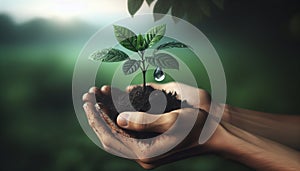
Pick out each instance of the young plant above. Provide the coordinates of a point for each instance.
(139, 44)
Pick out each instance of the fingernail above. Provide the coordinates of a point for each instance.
(123, 119)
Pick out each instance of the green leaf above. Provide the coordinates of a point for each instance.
(163, 60)
(171, 45)
(134, 5)
(141, 45)
(98, 55)
(109, 55)
(161, 7)
(149, 2)
(131, 66)
(219, 3)
(154, 35)
(126, 37)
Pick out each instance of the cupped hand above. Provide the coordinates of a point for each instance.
(176, 133)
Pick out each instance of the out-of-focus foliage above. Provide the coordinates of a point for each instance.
(193, 10)
(134, 6)
(197, 11)
(39, 30)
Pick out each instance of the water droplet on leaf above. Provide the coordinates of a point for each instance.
(158, 74)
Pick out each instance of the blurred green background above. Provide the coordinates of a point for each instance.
(257, 41)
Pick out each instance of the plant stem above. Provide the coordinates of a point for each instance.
(144, 70)
(144, 80)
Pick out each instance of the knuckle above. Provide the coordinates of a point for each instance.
(139, 122)
(106, 147)
(85, 97)
(106, 143)
(88, 97)
(91, 122)
(93, 90)
(140, 127)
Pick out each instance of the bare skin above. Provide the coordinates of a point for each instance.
(237, 137)
(284, 129)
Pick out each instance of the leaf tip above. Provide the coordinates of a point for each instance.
(116, 26)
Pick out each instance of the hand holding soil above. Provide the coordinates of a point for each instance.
(243, 135)
(118, 141)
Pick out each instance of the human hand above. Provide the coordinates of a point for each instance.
(176, 135)
(230, 141)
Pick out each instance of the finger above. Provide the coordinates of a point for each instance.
(109, 142)
(104, 90)
(111, 91)
(89, 97)
(102, 95)
(96, 94)
(129, 88)
(181, 151)
(185, 131)
(144, 122)
(93, 95)
(94, 90)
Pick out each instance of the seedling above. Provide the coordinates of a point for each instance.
(139, 98)
(139, 44)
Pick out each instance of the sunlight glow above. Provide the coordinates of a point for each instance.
(93, 11)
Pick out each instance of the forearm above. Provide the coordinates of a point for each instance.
(257, 152)
(284, 129)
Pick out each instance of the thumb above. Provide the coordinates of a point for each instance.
(145, 122)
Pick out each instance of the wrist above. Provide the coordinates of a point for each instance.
(237, 148)
(219, 142)
(227, 114)
(237, 145)
(257, 152)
